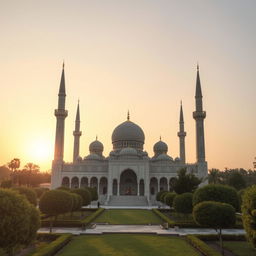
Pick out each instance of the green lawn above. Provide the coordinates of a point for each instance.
(127, 245)
(124, 216)
(240, 248)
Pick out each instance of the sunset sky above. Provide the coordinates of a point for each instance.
(139, 55)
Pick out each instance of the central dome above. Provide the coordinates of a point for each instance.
(128, 134)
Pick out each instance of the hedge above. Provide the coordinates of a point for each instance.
(90, 218)
(61, 223)
(164, 218)
(202, 246)
(53, 247)
(224, 237)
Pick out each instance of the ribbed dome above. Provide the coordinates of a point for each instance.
(96, 147)
(128, 134)
(160, 147)
(164, 157)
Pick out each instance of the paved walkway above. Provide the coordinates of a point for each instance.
(146, 229)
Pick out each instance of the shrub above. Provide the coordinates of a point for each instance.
(29, 193)
(169, 197)
(84, 193)
(159, 194)
(93, 216)
(19, 220)
(94, 193)
(55, 202)
(6, 184)
(218, 193)
(162, 197)
(249, 213)
(183, 203)
(164, 217)
(40, 191)
(77, 202)
(215, 215)
(64, 188)
(240, 194)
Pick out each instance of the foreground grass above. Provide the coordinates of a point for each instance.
(124, 216)
(240, 248)
(127, 244)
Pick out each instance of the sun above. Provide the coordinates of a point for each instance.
(40, 151)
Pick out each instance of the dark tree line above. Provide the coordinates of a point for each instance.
(29, 175)
(237, 178)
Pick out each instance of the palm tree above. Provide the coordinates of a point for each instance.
(31, 169)
(214, 176)
(14, 165)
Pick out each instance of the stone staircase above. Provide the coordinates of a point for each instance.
(128, 201)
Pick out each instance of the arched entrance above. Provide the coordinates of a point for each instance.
(128, 183)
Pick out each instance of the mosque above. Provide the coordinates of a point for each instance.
(128, 175)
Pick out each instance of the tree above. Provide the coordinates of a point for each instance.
(169, 197)
(249, 213)
(85, 194)
(215, 215)
(162, 197)
(30, 194)
(5, 173)
(186, 182)
(55, 202)
(6, 184)
(183, 203)
(214, 176)
(14, 165)
(217, 193)
(31, 168)
(236, 180)
(77, 202)
(19, 221)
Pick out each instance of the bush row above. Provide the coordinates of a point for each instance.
(201, 246)
(164, 218)
(53, 247)
(90, 218)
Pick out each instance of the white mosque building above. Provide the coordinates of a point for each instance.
(128, 175)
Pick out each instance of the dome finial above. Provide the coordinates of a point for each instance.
(197, 66)
(128, 116)
(160, 138)
(63, 64)
(96, 137)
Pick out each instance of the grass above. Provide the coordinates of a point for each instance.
(127, 217)
(74, 216)
(127, 244)
(240, 248)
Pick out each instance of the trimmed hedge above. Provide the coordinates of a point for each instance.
(164, 218)
(202, 246)
(53, 247)
(224, 237)
(90, 218)
(61, 223)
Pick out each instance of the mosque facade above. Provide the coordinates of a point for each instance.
(128, 170)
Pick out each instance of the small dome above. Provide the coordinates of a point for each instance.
(177, 159)
(93, 157)
(96, 147)
(160, 147)
(128, 152)
(79, 159)
(164, 157)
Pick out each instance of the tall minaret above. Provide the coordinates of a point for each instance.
(60, 114)
(77, 133)
(199, 116)
(182, 134)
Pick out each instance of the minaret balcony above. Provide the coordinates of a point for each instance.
(77, 133)
(181, 134)
(61, 113)
(199, 114)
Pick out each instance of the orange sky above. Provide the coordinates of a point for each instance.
(120, 55)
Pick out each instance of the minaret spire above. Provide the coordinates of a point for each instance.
(77, 133)
(60, 114)
(128, 115)
(182, 134)
(199, 116)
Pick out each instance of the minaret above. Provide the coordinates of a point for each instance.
(60, 114)
(77, 133)
(182, 134)
(199, 116)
